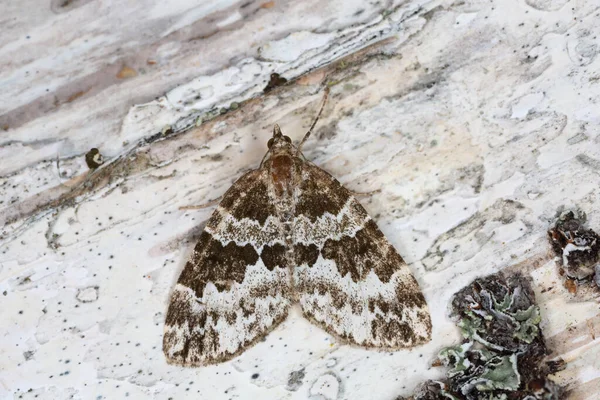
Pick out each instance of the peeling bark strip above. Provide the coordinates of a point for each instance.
(289, 232)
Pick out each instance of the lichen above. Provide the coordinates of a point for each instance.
(94, 159)
(274, 81)
(503, 351)
(577, 247)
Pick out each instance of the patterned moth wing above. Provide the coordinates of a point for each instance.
(348, 278)
(236, 286)
(284, 233)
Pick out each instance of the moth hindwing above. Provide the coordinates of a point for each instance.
(288, 232)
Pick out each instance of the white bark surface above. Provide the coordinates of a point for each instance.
(477, 121)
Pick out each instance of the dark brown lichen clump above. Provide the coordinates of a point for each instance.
(577, 247)
(503, 354)
(94, 159)
(274, 81)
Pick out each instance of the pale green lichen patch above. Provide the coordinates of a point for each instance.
(503, 353)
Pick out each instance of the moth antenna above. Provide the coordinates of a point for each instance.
(325, 96)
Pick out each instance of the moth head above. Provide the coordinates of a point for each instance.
(278, 138)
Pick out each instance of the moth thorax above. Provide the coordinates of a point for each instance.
(282, 174)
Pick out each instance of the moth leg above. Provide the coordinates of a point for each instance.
(205, 205)
(364, 194)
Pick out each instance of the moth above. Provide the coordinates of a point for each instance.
(289, 233)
